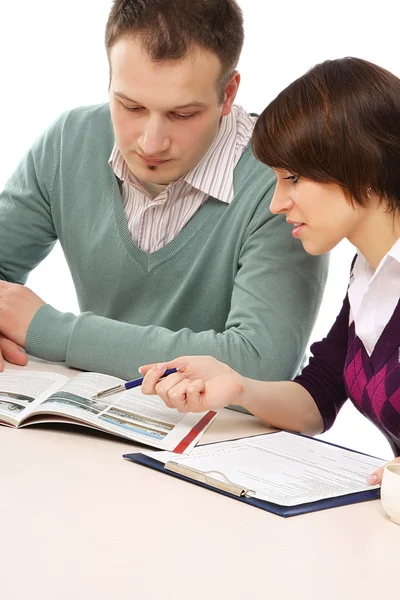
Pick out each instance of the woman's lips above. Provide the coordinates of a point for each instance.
(297, 229)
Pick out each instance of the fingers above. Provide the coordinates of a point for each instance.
(145, 368)
(176, 390)
(174, 394)
(177, 363)
(11, 352)
(153, 376)
(376, 477)
(195, 396)
(185, 395)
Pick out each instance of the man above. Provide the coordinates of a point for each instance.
(162, 212)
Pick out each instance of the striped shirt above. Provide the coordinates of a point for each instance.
(155, 221)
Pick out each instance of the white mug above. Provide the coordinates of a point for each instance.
(390, 491)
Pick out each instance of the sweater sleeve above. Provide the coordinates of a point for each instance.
(275, 300)
(27, 231)
(323, 377)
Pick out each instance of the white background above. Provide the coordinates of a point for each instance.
(53, 59)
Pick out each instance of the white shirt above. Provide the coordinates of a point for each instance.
(374, 296)
(155, 220)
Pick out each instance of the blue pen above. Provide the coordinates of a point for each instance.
(128, 385)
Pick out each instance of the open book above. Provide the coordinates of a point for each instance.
(28, 397)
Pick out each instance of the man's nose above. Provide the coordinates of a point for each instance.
(154, 139)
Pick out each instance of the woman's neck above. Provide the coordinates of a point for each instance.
(377, 231)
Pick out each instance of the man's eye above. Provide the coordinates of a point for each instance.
(133, 108)
(178, 116)
(293, 178)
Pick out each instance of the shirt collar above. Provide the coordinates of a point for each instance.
(362, 268)
(213, 175)
(394, 251)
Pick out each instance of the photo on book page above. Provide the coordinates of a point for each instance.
(13, 402)
(28, 397)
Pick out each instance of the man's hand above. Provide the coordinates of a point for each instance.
(376, 477)
(18, 306)
(11, 352)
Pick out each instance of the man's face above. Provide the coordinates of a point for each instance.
(165, 114)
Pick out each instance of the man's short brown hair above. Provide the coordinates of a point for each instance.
(338, 123)
(171, 29)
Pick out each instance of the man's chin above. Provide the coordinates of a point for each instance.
(160, 175)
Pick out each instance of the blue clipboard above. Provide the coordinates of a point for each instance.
(277, 509)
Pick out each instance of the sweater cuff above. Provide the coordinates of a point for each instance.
(49, 334)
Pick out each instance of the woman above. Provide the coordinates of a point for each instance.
(333, 139)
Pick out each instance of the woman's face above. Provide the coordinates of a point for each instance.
(319, 212)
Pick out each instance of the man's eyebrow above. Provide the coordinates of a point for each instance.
(121, 95)
(194, 104)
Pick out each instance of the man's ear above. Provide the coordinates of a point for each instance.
(230, 92)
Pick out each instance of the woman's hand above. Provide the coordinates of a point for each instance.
(202, 383)
(376, 477)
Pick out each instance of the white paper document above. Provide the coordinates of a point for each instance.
(282, 468)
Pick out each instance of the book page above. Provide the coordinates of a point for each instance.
(22, 391)
(282, 468)
(130, 414)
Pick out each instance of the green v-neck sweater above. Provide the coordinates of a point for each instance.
(233, 284)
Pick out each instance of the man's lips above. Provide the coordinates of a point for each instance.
(152, 161)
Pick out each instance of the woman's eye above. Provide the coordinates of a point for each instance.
(293, 178)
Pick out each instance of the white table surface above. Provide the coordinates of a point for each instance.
(80, 522)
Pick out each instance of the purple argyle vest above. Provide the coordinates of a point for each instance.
(373, 382)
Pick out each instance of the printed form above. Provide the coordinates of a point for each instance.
(282, 468)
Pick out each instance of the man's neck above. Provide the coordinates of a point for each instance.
(154, 189)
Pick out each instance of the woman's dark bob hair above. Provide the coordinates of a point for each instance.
(338, 123)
